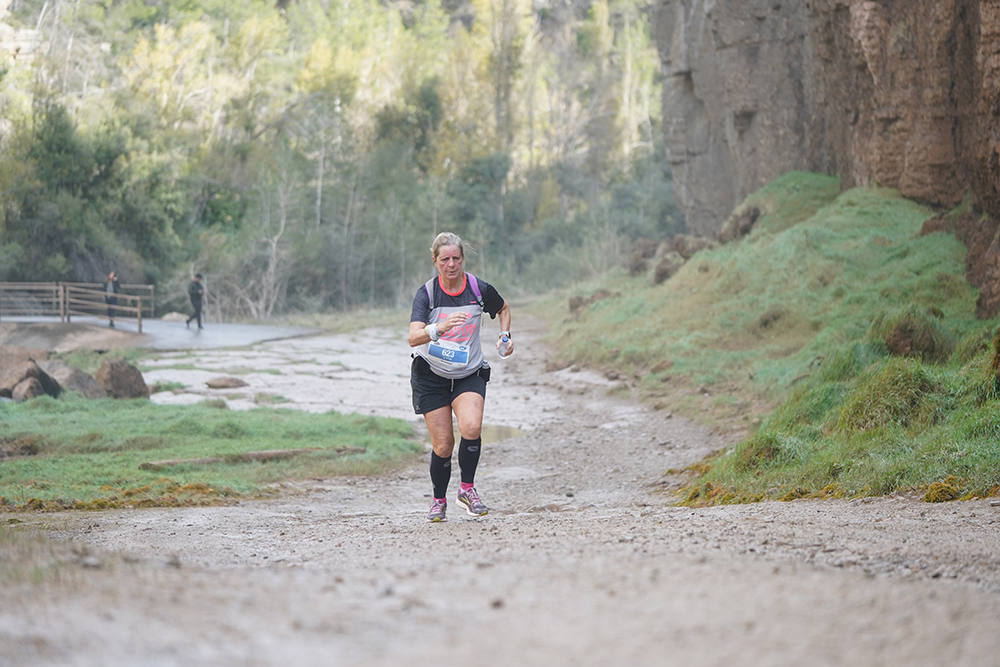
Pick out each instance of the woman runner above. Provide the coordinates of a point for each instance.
(448, 374)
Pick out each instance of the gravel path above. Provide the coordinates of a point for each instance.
(583, 560)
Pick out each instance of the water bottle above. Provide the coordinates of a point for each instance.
(505, 345)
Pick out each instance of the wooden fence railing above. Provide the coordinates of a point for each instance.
(147, 292)
(30, 299)
(68, 300)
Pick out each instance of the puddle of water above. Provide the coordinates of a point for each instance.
(496, 433)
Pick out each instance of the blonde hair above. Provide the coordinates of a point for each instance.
(446, 238)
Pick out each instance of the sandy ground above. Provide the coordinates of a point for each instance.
(583, 559)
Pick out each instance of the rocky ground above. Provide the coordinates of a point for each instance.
(583, 559)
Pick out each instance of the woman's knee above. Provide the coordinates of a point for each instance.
(439, 427)
(470, 419)
(471, 428)
(444, 450)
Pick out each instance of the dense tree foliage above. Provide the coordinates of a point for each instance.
(302, 154)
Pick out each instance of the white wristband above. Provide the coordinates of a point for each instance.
(432, 331)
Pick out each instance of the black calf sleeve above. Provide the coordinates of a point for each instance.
(468, 458)
(440, 474)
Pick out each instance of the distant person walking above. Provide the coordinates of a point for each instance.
(110, 291)
(196, 291)
(448, 373)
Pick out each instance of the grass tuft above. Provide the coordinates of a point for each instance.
(899, 392)
(914, 332)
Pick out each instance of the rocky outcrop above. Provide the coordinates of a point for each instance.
(26, 379)
(121, 379)
(73, 379)
(27, 389)
(27, 373)
(900, 93)
(740, 223)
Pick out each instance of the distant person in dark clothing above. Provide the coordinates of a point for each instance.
(196, 290)
(110, 290)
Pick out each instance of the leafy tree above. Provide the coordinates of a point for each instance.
(302, 154)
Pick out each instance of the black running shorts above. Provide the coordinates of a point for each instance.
(431, 391)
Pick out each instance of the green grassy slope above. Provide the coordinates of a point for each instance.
(785, 337)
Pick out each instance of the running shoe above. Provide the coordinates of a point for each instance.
(473, 505)
(438, 510)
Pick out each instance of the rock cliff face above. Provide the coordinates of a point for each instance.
(737, 100)
(901, 93)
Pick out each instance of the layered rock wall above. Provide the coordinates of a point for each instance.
(737, 103)
(901, 93)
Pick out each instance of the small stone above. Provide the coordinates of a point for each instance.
(91, 562)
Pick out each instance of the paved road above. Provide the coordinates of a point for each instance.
(50, 333)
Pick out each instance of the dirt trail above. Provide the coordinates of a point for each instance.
(581, 561)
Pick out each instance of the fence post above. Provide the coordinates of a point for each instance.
(139, 313)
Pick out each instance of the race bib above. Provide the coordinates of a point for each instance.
(452, 354)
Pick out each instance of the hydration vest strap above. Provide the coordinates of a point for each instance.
(473, 283)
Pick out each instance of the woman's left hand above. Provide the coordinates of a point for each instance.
(510, 343)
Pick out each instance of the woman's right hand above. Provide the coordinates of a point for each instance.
(453, 320)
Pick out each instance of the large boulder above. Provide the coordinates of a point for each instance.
(668, 265)
(73, 379)
(739, 223)
(687, 245)
(26, 389)
(121, 379)
(11, 355)
(12, 376)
